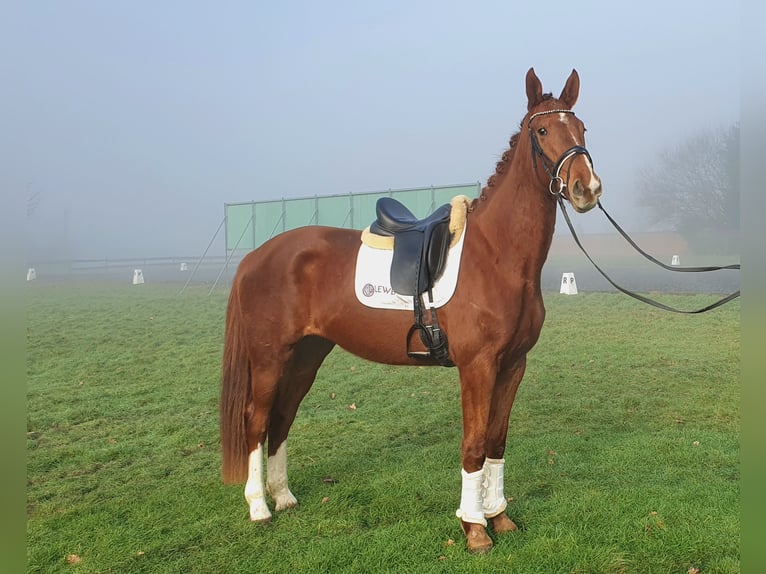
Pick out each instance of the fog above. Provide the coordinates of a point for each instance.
(130, 125)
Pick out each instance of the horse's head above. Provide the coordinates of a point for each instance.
(558, 143)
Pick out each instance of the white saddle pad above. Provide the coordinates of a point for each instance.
(372, 282)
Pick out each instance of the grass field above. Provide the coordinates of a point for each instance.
(622, 453)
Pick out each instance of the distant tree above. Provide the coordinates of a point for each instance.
(33, 201)
(694, 187)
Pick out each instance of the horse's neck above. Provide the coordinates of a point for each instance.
(518, 217)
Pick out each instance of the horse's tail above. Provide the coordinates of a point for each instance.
(235, 395)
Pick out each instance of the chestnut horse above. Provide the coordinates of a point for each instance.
(292, 300)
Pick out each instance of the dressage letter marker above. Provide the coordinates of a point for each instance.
(31, 275)
(675, 260)
(138, 277)
(184, 267)
(568, 285)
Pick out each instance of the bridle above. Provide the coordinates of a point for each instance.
(557, 185)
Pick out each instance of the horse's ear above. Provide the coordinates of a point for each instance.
(571, 90)
(534, 89)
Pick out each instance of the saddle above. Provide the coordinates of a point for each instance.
(420, 252)
(420, 245)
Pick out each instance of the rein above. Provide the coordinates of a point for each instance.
(642, 298)
(660, 263)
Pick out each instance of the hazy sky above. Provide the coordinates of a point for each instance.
(134, 122)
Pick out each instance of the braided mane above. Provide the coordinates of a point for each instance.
(501, 167)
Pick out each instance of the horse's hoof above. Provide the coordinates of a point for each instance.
(478, 540)
(285, 501)
(285, 505)
(266, 520)
(501, 523)
(259, 512)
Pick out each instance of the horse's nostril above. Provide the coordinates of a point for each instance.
(577, 188)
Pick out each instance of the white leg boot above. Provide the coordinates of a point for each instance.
(471, 509)
(494, 501)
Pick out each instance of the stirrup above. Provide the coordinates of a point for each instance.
(432, 337)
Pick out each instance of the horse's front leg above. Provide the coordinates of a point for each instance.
(477, 381)
(493, 494)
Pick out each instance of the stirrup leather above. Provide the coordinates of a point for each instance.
(432, 337)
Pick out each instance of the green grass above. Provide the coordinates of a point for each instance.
(622, 454)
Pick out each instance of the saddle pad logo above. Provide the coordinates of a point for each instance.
(372, 281)
(368, 290)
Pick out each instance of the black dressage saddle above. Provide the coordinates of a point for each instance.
(420, 245)
(420, 253)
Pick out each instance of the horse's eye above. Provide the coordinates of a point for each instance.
(542, 131)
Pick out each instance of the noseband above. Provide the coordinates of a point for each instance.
(554, 169)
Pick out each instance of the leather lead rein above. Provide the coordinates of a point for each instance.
(642, 298)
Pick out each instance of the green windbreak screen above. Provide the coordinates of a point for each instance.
(364, 209)
(239, 225)
(249, 225)
(334, 211)
(300, 212)
(268, 220)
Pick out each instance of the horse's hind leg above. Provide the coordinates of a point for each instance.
(296, 381)
(264, 381)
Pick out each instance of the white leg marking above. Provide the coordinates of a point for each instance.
(276, 479)
(470, 498)
(259, 511)
(494, 498)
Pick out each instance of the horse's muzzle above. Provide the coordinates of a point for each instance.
(584, 198)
